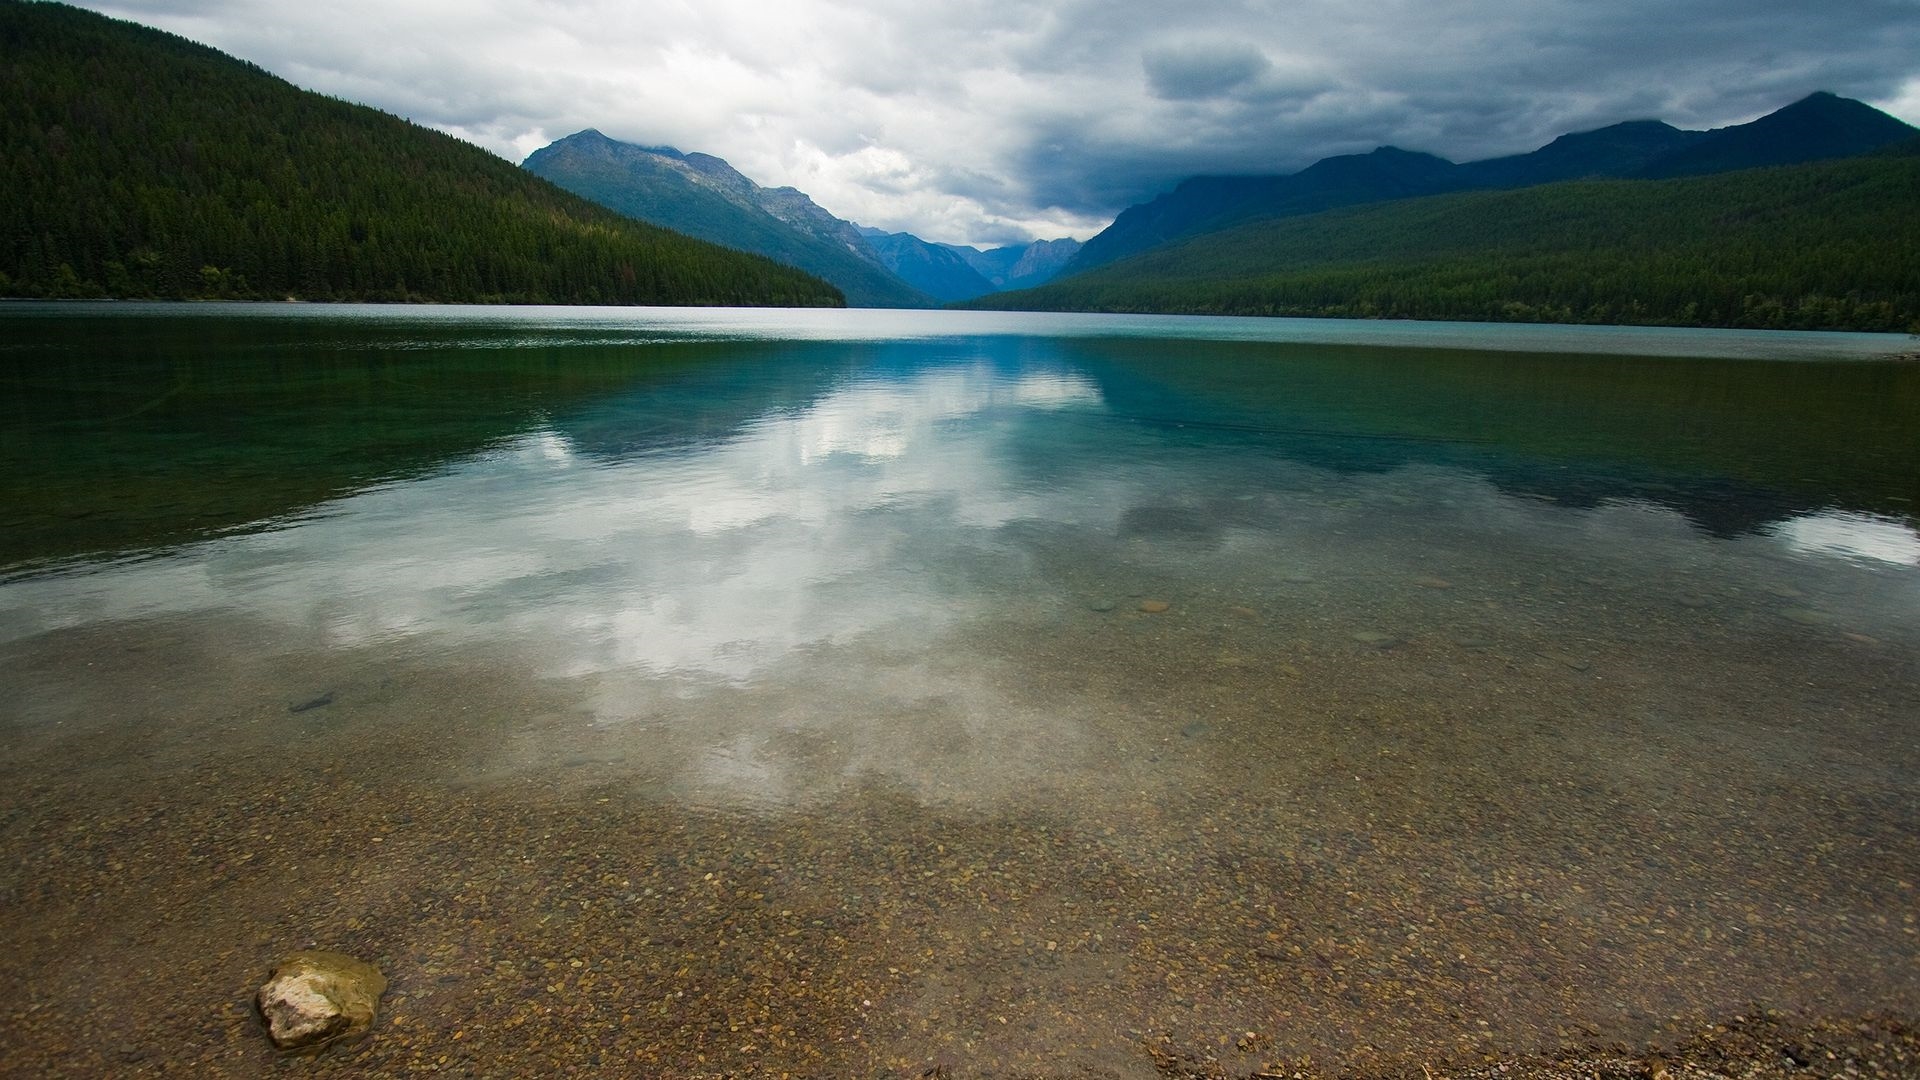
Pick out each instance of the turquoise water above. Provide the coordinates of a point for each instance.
(1388, 690)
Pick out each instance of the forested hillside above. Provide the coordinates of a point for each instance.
(134, 163)
(1818, 127)
(1834, 245)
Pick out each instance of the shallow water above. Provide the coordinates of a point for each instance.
(847, 693)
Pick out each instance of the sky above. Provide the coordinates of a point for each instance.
(1000, 121)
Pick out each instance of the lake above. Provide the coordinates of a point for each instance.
(723, 693)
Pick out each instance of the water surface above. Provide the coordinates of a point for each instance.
(846, 693)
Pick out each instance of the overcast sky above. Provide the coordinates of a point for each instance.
(993, 121)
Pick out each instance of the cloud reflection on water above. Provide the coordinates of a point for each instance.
(713, 561)
(1844, 535)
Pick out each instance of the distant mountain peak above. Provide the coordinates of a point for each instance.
(938, 270)
(1019, 266)
(1821, 103)
(1390, 151)
(599, 140)
(704, 196)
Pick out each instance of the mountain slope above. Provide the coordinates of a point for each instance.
(1816, 128)
(1831, 245)
(1204, 203)
(136, 163)
(1617, 150)
(703, 196)
(1019, 266)
(1039, 262)
(934, 269)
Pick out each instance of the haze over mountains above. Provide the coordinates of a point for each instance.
(705, 197)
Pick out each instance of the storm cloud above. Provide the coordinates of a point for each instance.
(1202, 71)
(991, 121)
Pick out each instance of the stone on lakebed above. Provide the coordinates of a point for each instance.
(314, 999)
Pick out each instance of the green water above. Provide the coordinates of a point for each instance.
(844, 693)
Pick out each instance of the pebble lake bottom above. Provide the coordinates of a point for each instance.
(883, 694)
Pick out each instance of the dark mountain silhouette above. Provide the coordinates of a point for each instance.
(1815, 128)
(1205, 203)
(1616, 150)
(1819, 127)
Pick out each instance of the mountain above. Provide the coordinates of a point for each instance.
(134, 163)
(1204, 203)
(1618, 150)
(703, 196)
(1825, 245)
(954, 272)
(1019, 266)
(1816, 128)
(934, 269)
